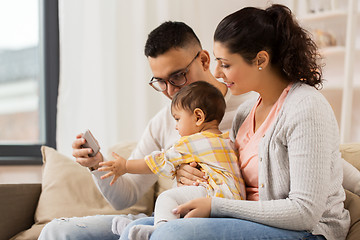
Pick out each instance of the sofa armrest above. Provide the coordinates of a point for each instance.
(18, 203)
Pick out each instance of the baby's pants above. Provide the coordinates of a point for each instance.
(172, 198)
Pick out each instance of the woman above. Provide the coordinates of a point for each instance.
(287, 138)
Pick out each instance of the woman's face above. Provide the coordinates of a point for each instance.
(239, 76)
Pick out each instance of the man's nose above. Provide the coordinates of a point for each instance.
(172, 89)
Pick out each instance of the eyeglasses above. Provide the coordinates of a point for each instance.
(177, 79)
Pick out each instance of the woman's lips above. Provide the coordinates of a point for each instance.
(229, 85)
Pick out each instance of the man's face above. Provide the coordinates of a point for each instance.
(173, 62)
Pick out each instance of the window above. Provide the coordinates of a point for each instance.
(29, 76)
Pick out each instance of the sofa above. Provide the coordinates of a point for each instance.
(67, 190)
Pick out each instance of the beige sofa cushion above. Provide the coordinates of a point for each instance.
(351, 153)
(352, 203)
(68, 190)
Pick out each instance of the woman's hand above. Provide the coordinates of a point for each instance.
(197, 208)
(189, 175)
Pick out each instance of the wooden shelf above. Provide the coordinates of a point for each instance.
(335, 50)
(337, 22)
(337, 86)
(323, 15)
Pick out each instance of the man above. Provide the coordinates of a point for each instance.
(176, 59)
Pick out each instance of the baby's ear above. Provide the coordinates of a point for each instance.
(200, 116)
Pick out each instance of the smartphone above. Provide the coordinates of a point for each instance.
(90, 143)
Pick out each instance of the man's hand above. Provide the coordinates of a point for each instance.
(114, 168)
(189, 175)
(197, 208)
(81, 154)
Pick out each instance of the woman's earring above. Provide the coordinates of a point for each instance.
(260, 68)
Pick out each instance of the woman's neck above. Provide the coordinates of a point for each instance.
(271, 90)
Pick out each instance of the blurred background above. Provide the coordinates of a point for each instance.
(104, 74)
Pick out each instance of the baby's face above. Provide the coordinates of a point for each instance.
(185, 121)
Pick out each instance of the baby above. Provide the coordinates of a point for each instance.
(198, 109)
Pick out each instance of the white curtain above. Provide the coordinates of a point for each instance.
(103, 70)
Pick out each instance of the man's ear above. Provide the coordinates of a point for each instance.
(200, 116)
(205, 59)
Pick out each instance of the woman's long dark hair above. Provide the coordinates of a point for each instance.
(291, 49)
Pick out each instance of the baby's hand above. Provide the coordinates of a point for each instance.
(116, 168)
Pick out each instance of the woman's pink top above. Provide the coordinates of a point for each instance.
(247, 143)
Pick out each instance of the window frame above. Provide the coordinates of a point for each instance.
(30, 154)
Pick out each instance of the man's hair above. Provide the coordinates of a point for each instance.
(170, 35)
(201, 95)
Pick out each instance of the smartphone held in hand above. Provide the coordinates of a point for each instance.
(90, 143)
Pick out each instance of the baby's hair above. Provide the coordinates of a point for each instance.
(201, 95)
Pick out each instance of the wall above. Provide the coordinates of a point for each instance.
(20, 174)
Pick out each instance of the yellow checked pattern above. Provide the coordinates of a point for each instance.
(215, 156)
